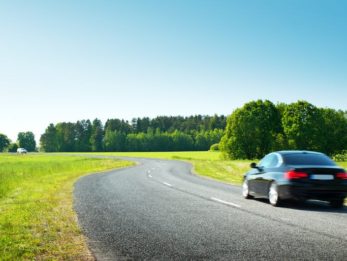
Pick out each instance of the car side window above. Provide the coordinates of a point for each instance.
(269, 161)
(273, 161)
(264, 162)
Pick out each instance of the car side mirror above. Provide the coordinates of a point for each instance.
(254, 165)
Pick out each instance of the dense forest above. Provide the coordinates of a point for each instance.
(142, 134)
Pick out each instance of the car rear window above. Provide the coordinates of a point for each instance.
(307, 159)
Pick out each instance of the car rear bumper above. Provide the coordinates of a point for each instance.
(291, 191)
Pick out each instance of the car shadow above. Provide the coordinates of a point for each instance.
(310, 205)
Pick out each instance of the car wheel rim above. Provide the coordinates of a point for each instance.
(273, 194)
(245, 189)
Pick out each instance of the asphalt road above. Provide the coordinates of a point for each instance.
(158, 210)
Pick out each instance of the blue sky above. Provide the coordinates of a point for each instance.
(73, 60)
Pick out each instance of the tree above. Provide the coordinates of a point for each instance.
(118, 125)
(182, 141)
(66, 136)
(4, 142)
(302, 124)
(251, 130)
(334, 131)
(49, 140)
(201, 141)
(97, 136)
(27, 140)
(114, 140)
(83, 132)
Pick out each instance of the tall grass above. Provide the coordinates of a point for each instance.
(37, 220)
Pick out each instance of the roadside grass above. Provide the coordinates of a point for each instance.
(343, 164)
(37, 221)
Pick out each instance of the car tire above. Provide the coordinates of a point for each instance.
(245, 190)
(337, 203)
(274, 198)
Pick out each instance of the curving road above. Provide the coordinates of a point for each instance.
(159, 210)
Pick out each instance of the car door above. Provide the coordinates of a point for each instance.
(252, 176)
(256, 176)
(266, 177)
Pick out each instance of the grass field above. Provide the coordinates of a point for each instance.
(37, 220)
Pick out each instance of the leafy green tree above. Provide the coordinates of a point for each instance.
(182, 141)
(162, 141)
(214, 122)
(4, 142)
(114, 140)
(83, 132)
(118, 125)
(66, 136)
(49, 140)
(334, 131)
(302, 124)
(27, 140)
(251, 130)
(97, 136)
(214, 136)
(141, 125)
(201, 141)
(131, 142)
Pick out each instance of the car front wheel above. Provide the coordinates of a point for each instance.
(245, 190)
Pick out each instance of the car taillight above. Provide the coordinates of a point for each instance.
(341, 175)
(293, 174)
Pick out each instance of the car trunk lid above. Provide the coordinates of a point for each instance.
(321, 174)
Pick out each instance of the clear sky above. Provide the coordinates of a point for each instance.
(73, 60)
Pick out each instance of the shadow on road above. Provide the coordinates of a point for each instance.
(309, 205)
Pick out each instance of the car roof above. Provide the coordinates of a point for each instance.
(286, 152)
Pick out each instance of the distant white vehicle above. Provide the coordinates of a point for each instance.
(22, 151)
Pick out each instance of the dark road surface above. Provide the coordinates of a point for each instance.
(158, 210)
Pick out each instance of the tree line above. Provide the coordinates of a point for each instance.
(250, 132)
(24, 140)
(260, 127)
(142, 134)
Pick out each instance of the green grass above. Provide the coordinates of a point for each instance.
(343, 164)
(37, 220)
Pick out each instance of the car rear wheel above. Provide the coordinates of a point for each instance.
(337, 203)
(245, 190)
(273, 195)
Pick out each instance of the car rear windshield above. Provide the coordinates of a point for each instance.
(307, 159)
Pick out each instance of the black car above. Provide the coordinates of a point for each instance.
(298, 175)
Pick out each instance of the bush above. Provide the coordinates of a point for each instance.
(13, 147)
(341, 156)
(214, 147)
